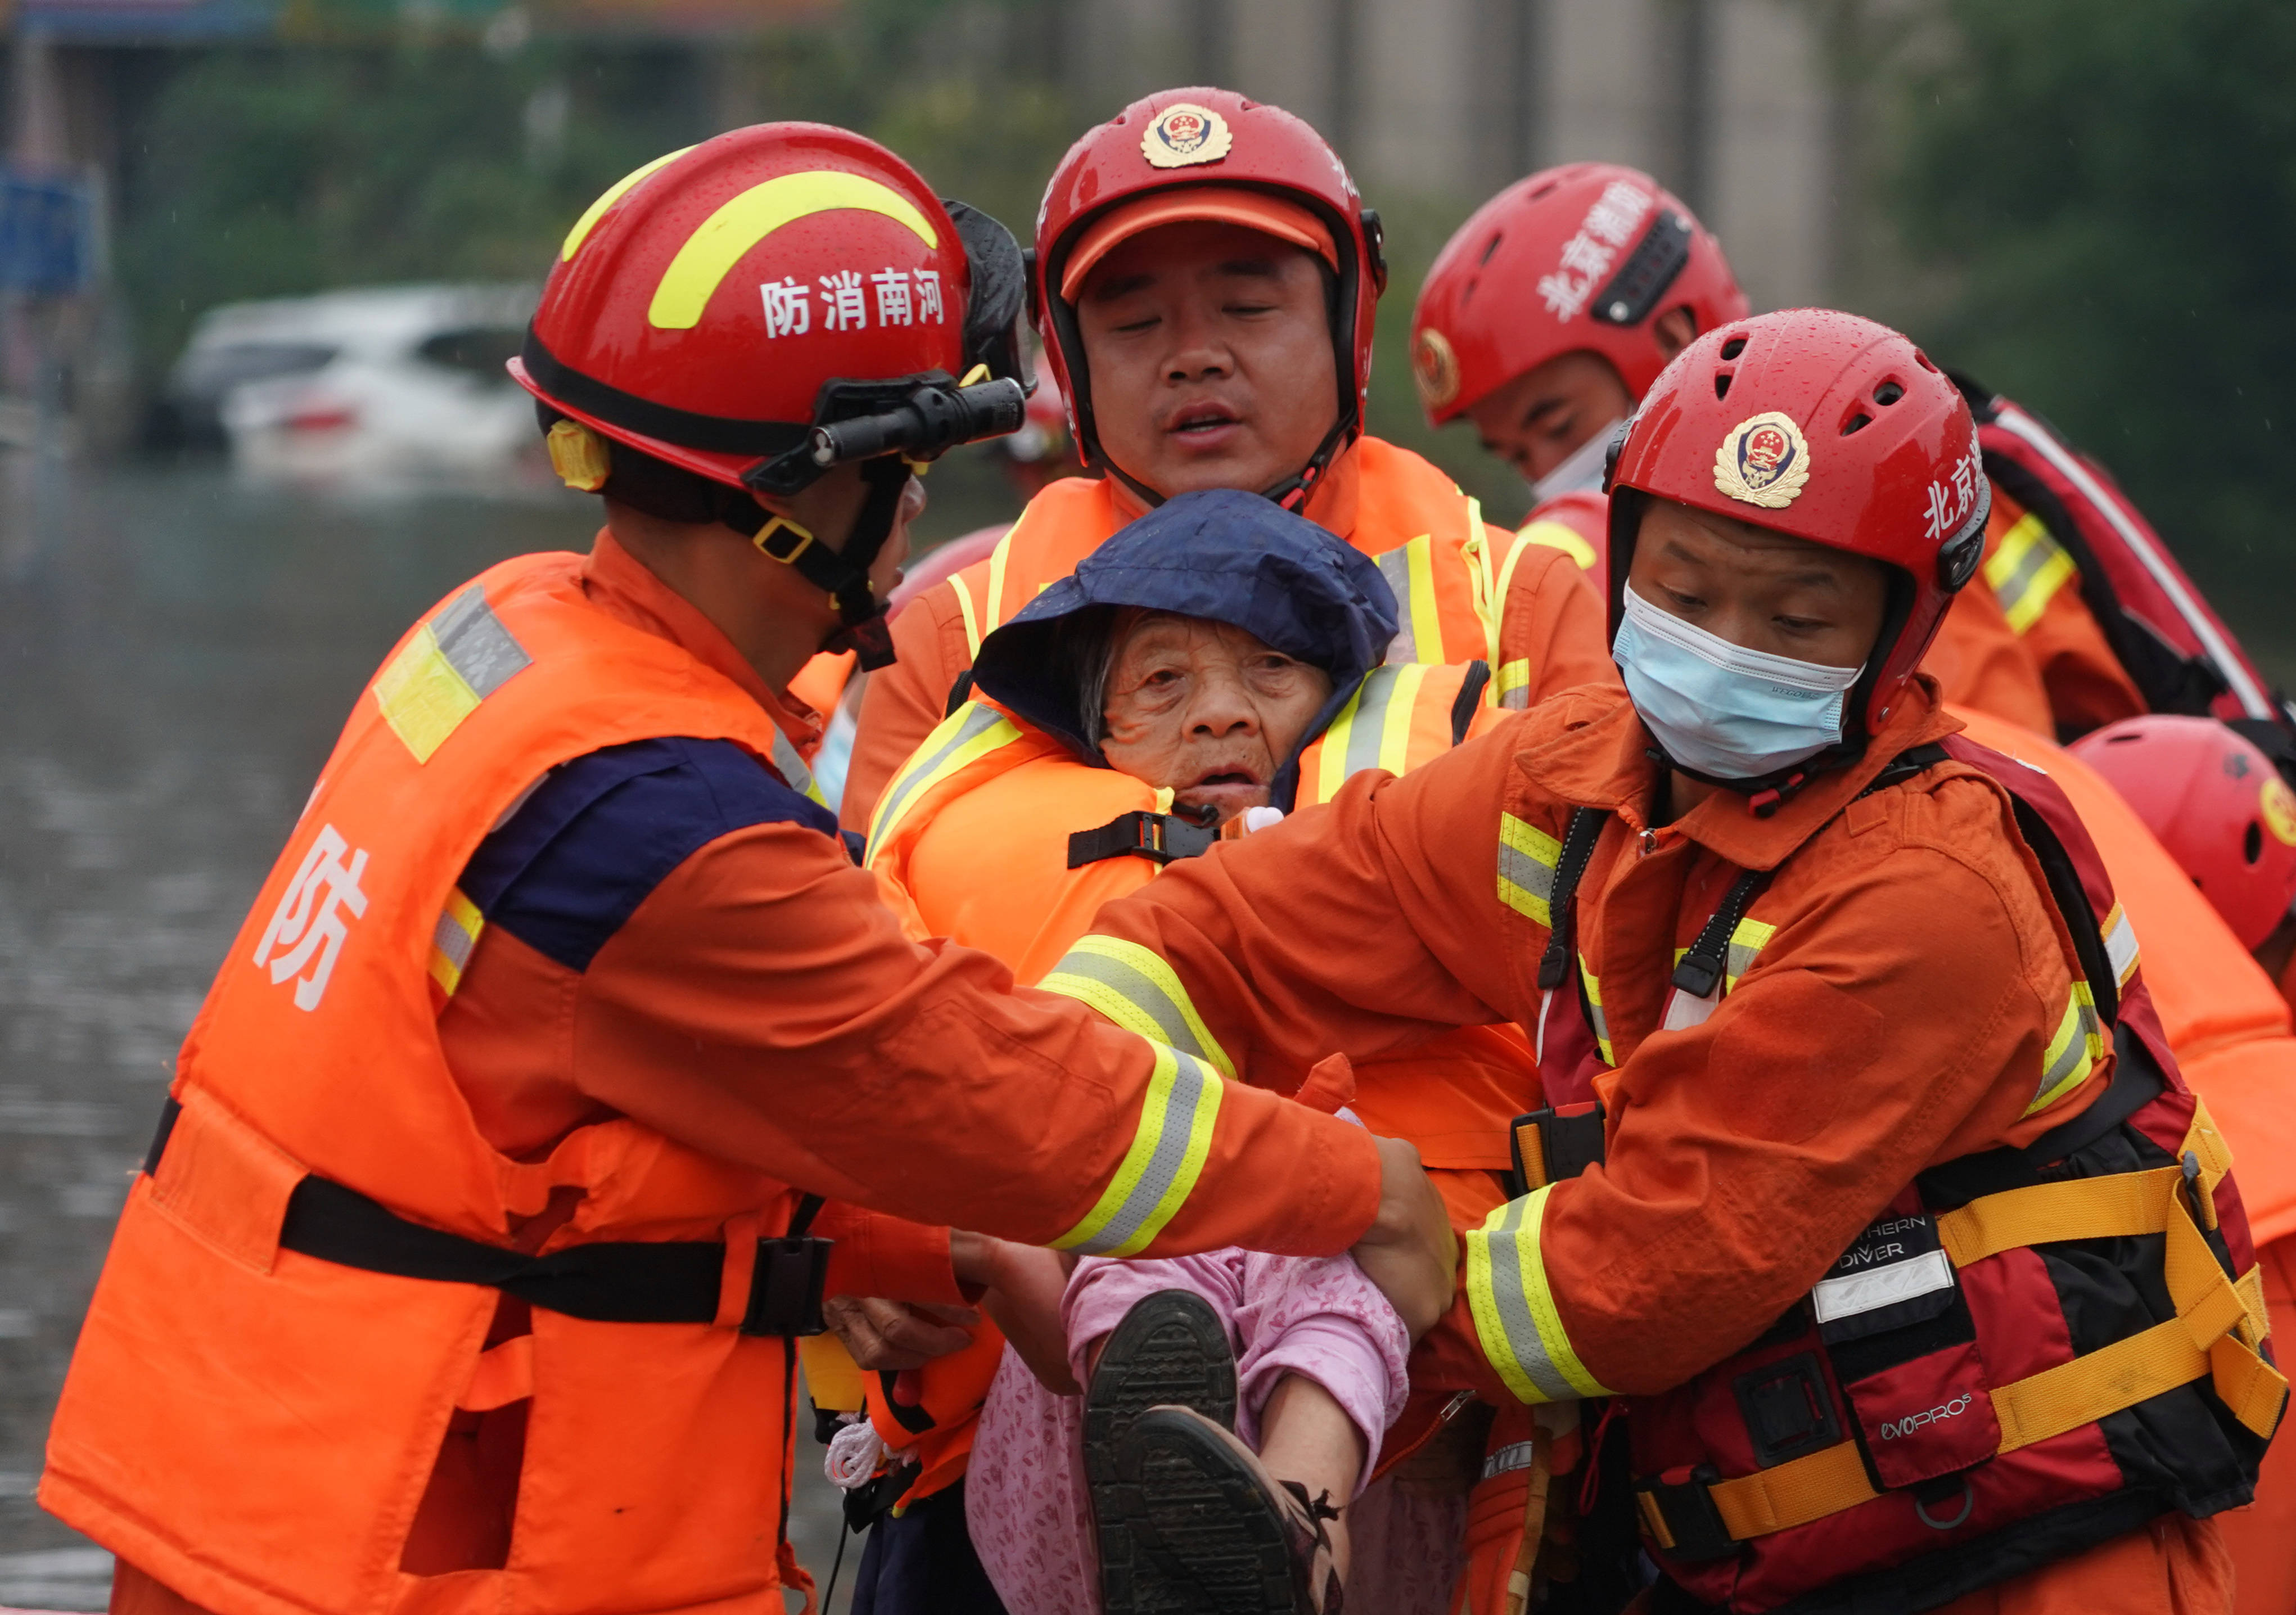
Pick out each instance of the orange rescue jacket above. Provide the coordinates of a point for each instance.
(194, 1437)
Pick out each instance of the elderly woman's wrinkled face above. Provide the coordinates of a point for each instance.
(1206, 710)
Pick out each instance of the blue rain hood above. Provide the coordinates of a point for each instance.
(1221, 555)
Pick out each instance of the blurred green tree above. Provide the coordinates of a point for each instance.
(2113, 187)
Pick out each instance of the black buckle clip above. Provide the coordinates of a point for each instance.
(786, 1285)
(1684, 1510)
(1568, 1139)
(1159, 837)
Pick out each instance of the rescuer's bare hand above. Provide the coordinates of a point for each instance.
(1409, 1250)
(1024, 1301)
(895, 1335)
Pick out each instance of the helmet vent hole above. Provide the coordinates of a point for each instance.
(1856, 423)
(1491, 246)
(1545, 189)
(1888, 393)
(1923, 360)
(2252, 843)
(1731, 348)
(1722, 383)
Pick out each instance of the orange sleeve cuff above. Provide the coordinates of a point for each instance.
(889, 1257)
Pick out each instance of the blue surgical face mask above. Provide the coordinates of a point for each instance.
(1719, 708)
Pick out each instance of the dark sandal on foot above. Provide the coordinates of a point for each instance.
(1211, 1531)
(1171, 1350)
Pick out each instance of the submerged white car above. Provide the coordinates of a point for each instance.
(372, 387)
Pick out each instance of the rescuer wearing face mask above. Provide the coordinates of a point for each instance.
(1207, 277)
(1550, 311)
(1868, 1191)
(467, 1269)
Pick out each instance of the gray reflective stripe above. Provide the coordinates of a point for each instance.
(2075, 1050)
(1368, 725)
(977, 723)
(792, 766)
(1191, 1081)
(1519, 868)
(1595, 1016)
(1514, 1307)
(1138, 991)
(1741, 958)
(2038, 553)
(475, 643)
(1513, 1456)
(451, 940)
(1395, 566)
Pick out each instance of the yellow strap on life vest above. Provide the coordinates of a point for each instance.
(453, 940)
(1374, 729)
(2219, 1324)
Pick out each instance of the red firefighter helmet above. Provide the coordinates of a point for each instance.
(2218, 805)
(1827, 427)
(1212, 140)
(774, 301)
(1582, 257)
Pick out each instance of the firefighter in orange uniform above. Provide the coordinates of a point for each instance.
(1551, 311)
(2228, 819)
(1206, 276)
(1869, 1191)
(466, 1269)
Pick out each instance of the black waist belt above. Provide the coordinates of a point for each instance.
(607, 1281)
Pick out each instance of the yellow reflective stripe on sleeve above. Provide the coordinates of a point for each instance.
(1747, 941)
(1527, 858)
(2121, 944)
(971, 623)
(1557, 535)
(445, 668)
(1133, 987)
(2026, 572)
(793, 772)
(451, 942)
(1522, 1334)
(2075, 1049)
(970, 731)
(1160, 1170)
(1594, 1018)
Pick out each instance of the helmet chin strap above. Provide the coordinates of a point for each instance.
(842, 575)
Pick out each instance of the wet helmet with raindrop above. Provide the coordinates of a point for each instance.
(1210, 140)
(1827, 427)
(1585, 258)
(2218, 805)
(766, 305)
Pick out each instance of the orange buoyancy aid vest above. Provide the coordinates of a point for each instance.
(2224, 1017)
(254, 1427)
(2029, 1352)
(978, 839)
(1451, 572)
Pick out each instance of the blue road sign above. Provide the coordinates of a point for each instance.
(47, 243)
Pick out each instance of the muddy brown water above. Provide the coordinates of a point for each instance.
(177, 654)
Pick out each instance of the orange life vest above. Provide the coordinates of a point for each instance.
(1451, 572)
(254, 1426)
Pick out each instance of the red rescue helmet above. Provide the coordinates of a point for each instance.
(770, 303)
(2218, 805)
(1242, 155)
(1582, 257)
(1827, 427)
